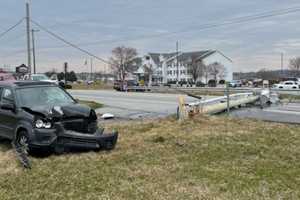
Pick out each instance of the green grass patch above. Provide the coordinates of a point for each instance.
(94, 86)
(289, 97)
(94, 105)
(204, 158)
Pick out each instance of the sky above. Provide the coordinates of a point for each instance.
(98, 26)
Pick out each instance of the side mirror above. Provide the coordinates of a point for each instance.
(8, 106)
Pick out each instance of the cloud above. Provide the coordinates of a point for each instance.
(251, 45)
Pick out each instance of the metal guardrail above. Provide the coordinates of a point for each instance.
(209, 89)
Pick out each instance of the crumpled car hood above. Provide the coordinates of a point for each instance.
(72, 110)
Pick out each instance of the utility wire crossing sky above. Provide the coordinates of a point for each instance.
(252, 34)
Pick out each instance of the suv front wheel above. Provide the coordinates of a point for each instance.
(22, 142)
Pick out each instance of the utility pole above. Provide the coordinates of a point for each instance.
(91, 68)
(177, 64)
(66, 71)
(33, 50)
(28, 37)
(228, 98)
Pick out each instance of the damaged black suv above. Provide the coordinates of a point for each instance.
(40, 115)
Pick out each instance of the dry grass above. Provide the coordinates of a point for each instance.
(8, 162)
(94, 86)
(205, 158)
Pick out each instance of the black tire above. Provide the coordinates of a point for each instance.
(1, 139)
(22, 141)
(59, 149)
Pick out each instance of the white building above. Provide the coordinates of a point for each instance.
(165, 69)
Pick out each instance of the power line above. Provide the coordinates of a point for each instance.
(228, 22)
(68, 43)
(11, 28)
(205, 26)
(182, 19)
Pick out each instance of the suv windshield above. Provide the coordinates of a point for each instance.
(39, 77)
(42, 96)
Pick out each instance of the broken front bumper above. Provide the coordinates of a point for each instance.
(59, 138)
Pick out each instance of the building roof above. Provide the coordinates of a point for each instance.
(182, 56)
(156, 56)
(194, 55)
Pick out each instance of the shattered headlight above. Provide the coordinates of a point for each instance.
(42, 124)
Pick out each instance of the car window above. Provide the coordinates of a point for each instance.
(30, 97)
(7, 96)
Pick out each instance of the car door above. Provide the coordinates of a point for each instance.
(8, 117)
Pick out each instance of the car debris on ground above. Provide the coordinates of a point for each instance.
(107, 116)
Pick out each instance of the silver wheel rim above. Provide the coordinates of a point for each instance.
(23, 142)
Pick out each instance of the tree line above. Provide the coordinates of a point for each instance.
(293, 70)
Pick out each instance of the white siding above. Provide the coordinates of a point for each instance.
(217, 57)
(168, 70)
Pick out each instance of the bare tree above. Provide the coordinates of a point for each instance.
(295, 64)
(216, 70)
(51, 72)
(123, 61)
(149, 70)
(196, 68)
(206, 73)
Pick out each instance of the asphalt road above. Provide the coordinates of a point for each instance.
(284, 113)
(133, 105)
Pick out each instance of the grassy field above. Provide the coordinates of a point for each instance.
(205, 158)
(92, 104)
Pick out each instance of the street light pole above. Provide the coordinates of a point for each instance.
(33, 50)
